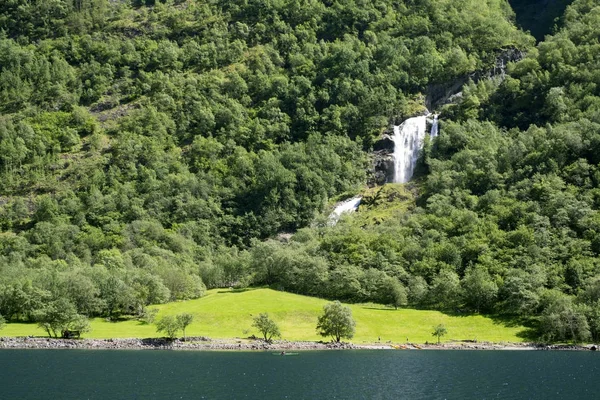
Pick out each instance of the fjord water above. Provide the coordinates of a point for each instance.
(382, 374)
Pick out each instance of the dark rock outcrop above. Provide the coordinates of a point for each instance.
(386, 143)
(383, 161)
(383, 168)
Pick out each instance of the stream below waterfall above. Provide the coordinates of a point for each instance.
(409, 138)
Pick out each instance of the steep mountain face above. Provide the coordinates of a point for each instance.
(539, 16)
(147, 152)
(147, 147)
(507, 216)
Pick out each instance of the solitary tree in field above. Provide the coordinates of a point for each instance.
(184, 320)
(169, 325)
(336, 321)
(60, 316)
(267, 327)
(439, 331)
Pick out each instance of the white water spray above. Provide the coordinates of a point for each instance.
(347, 206)
(435, 127)
(408, 142)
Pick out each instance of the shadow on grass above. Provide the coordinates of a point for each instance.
(460, 313)
(530, 333)
(238, 290)
(120, 318)
(380, 309)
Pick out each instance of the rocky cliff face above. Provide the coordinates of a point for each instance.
(439, 94)
(436, 95)
(383, 161)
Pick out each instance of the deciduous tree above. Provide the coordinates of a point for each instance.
(184, 320)
(439, 331)
(169, 326)
(267, 327)
(59, 316)
(480, 291)
(336, 322)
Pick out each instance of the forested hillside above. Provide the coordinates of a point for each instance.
(147, 150)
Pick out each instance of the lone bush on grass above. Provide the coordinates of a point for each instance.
(267, 327)
(171, 324)
(439, 331)
(184, 320)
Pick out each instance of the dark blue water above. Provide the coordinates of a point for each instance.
(95, 374)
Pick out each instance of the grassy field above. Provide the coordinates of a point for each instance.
(228, 314)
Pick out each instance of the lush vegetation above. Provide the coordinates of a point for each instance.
(151, 151)
(505, 217)
(145, 147)
(226, 314)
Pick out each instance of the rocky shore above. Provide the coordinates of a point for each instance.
(204, 343)
(469, 345)
(191, 343)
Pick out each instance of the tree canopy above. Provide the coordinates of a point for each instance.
(336, 322)
(439, 331)
(152, 150)
(266, 326)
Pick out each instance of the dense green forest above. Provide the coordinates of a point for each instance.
(151, 150)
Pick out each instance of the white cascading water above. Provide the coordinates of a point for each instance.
(408, 142)
(435, 127)
(347, 206)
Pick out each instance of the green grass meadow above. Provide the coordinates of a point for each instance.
(228, 314)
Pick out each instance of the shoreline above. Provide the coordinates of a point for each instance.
(208, 344)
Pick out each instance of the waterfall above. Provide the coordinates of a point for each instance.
(408, 142)
(347, 206)
(435, 128)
